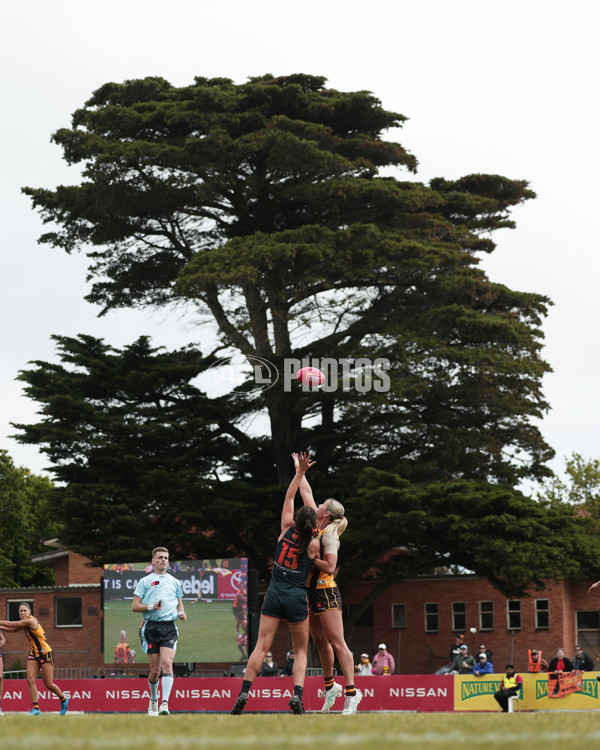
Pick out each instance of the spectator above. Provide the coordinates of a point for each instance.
(364, 668)
(560, 663)
(269, 667)
(487, 652)
(483, 666)
(289, 664)
(455, 648)
(582, 661)
(510, 685)
(463, 663)
(536, 662)
(383, 661)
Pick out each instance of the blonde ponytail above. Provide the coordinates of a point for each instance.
(337, 524)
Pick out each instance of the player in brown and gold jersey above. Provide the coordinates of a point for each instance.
(326, 625)
(286, 597)
(2, 644)
(40, 657)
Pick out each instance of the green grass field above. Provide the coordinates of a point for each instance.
(457, 731)
(207, 635)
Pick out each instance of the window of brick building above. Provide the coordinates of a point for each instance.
(398, 616)
(67, 612)
(432, 617)
(513, 614)
(459, 616)
(588, 620)
(486, 615)
(588, 632)
(542, 614)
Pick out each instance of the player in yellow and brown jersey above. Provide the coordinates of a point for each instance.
(326, 625)
(286, 597)
(2, 644)
(40, 657)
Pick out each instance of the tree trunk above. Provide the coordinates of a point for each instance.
(286, 423)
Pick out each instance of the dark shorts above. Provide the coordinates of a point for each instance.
(290, 605)
(155, 635)
(47, 658)
(322, 600)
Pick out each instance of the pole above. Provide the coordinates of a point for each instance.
(473, 632)
(87, 653)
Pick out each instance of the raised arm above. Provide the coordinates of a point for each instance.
(305, 489)
(287, 513)
(10, 626)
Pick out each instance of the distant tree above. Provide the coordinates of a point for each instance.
(580, 486)
(580, 489)
(27, 517)
(494, 530)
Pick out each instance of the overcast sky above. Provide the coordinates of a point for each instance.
(503, 88)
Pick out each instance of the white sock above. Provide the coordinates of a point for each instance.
(153, 689)
(167, 684)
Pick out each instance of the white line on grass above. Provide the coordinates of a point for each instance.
(486, 739)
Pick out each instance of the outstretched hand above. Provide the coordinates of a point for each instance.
(302, 462)
(593, 586)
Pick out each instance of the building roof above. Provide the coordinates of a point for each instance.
(42, 589)
(45, 558)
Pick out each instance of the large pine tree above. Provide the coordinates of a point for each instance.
(264, 209)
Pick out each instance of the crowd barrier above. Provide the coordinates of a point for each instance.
(426, 693)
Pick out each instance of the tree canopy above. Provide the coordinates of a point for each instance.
(27, 517)
(263, 208)
(132, 443)
(494, 530)
(580, 490)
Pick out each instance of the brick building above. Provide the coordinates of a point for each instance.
(70, 611)
(417, 619)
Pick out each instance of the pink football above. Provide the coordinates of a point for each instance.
(310, 376)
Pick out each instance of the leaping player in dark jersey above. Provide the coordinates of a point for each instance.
(286, 597)
(326, 624)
